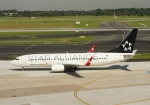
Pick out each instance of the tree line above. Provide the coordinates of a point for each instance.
(97, 12)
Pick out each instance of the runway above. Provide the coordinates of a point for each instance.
(72, 29)
(124, 83)
(102, 46)
(104, 42)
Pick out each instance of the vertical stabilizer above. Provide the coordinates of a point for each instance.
(127, 45)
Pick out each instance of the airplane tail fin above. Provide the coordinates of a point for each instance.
(127, 45)
(92, 49)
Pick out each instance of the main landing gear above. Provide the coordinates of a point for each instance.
(74, 69)
(23, 69)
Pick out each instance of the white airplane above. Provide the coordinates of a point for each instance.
(60, 61)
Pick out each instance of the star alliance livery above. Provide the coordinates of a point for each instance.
(61, 61)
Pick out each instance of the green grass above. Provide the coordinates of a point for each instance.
(142, 55)
(139, 23)
(13, 56)
(46, 41)
(8, 34)
(53, 22)
(65, 21)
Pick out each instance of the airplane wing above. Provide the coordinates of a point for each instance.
(71, 64)
(76, 64)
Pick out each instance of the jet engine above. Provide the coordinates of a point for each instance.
(58, 67)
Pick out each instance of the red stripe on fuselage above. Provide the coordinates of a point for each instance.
(89, 62)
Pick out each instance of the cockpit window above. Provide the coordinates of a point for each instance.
(17, 59)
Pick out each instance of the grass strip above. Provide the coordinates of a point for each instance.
(142, 55)
(46, 41)
(8, 34)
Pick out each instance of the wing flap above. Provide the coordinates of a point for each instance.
(76, 63)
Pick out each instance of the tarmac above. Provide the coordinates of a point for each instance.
(105, 41)
(123, 83)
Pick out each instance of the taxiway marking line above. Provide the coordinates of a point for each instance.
(137, 100)
(29, 47)
(76, 91)
(133, 101)
(124, 33)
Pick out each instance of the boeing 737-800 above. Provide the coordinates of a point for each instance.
(58, 62)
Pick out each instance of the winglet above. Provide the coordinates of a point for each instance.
(89, 62)
(92, 49)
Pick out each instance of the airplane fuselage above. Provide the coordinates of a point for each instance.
(76, 59)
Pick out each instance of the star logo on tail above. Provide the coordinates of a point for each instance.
(127, 46)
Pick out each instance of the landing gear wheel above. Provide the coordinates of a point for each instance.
(74, 69)
(23, 69)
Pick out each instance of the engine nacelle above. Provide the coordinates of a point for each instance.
(57, 67)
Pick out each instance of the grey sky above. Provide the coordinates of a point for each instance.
(71, 4)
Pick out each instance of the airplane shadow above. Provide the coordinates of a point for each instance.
(75, 74)
(68, 71)
(32, 69)
(114, 67)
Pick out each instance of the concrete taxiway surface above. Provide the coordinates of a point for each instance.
(124, 83)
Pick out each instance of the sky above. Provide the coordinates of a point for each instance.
(22, 5)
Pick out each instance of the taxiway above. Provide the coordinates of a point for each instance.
(124, 83)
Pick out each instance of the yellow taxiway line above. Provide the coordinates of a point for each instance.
(29, 47)
(133, 102)
(76, 91)
(79, 88)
